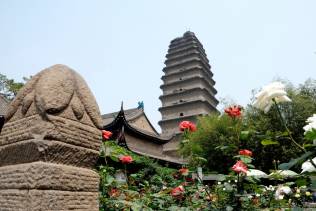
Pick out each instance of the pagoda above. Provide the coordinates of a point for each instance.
(188, 87)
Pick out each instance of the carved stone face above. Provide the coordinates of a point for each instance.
(57, 91)
(49, 144)
(56, 118)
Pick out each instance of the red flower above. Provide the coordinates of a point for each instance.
(187, 125)
(233, 111)
(245, 152)
(106, 134)
(192, 127)
(189, 179)
(240, 167)
(178, 191)
(126, 159)
(114, 192)
(184, 171)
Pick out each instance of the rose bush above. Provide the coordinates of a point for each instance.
(233, 143)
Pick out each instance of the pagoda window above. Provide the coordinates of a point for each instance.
(181, 114)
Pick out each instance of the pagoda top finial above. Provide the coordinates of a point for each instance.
(122, 109)
(188, 33)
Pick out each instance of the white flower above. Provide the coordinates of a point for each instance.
(236, 181)
(307, 166)
(284, 173)
(224, 189)
(297, 195)
(257, 195)
(271, 188)
(256, 173)
(286, 189)
(279, 193)
(274, 90)
(250, 197)
(219, 183)
(311, 123)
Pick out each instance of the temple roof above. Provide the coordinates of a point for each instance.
(3, 105)
(129, 118)
(132, 129)
(130, 114)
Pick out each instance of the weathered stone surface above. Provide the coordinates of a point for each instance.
(45, 200)
(60, 129)
(54, 105)
(45, 176)
(49, 145)
(49, 151)
(57, 90)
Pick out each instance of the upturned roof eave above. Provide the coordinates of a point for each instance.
(120, 119)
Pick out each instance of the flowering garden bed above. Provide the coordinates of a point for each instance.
(133, 182)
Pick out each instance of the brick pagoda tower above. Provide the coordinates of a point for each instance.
(188, 87)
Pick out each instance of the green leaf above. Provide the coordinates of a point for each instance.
(136, 207)
(245, 159)
(308, 145)
(293, 162)
(250, 166)
(267, 142)
(109, 179)
(301, 182)
(185, 141)
(244, 135)
(311, 135)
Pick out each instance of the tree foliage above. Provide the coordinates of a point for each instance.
(217, 140)
(9, 88)
(268, 126)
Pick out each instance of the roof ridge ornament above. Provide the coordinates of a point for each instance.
(140, 105)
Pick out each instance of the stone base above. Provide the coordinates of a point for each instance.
(48, 186)
(33, 200)
(47, 151)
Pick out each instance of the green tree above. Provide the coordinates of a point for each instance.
(268, 126)
(217, 141)
(9, 88)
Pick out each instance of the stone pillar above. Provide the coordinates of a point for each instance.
(49, 145)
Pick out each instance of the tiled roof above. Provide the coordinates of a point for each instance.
(4, 103)
(130, 114)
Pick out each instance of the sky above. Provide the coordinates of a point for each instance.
(119, 47)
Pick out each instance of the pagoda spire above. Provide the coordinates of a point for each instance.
(188, 86)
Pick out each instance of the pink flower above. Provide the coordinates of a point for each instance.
(240, 167)
(178, 191)
(187, 125)
(233, 111)
(184, 171)
(106, 134)
(245, 152)
(126, 159)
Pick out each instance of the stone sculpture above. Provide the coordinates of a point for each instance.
(50, 144)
